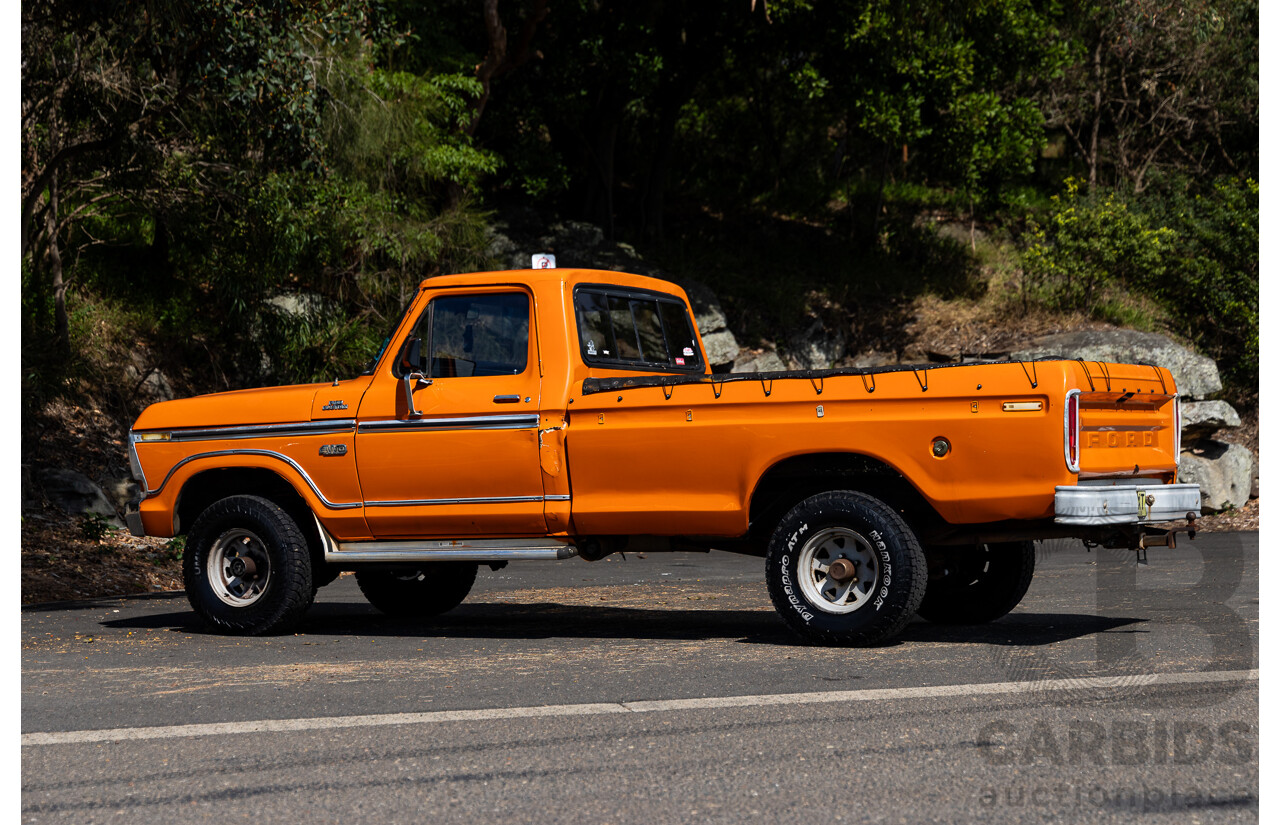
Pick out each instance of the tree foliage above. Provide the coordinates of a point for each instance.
(250, 177)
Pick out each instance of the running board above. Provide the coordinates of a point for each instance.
(443, 550)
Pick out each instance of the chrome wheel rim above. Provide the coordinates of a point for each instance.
(239, 568)
(824, 590)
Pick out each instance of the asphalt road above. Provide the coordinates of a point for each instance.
(660, 689)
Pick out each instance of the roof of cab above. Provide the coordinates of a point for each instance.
(537, 276)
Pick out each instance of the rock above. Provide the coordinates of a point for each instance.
(1201, 419)
(76, 494)
(120, 491)
(873, 358)
(152, 384)
(722, 348)
(707, 312)
(816, 347)
(764, 361)
(1196, 375)
(298, 304)
(1223, 471)
(30, 495)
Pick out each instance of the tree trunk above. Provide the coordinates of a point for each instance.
(1092, 159)
(61, 326)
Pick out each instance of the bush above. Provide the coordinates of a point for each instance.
(1090, 244)
(1211, 285)
(1194, 254)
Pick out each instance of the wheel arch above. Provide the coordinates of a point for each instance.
(791, 480)
(207, 486)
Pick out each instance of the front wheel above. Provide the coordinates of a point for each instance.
(247, 567)
(429, 591)
(844, 569)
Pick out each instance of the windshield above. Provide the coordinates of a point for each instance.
(372, 363)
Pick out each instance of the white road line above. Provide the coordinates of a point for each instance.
(598, 709)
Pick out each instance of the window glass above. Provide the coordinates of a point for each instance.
(653, 347)
(594, 326)
(624, 328)
(632, 329)
(476, 335)
(681, 342)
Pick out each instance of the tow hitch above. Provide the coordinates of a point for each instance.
(1164, 538)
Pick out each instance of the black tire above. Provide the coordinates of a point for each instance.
(870, 606)
(976, 585)
(433, 589)
(272, 590)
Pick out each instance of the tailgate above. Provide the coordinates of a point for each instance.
(1128, 421)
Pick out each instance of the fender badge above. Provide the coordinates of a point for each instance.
(333, 449)
(335, 405)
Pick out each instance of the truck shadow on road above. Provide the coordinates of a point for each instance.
(558, 621)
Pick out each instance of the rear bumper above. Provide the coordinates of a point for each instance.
(1125, 504)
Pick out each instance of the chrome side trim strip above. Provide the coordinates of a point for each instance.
(427, 502)
(474, 422)
(269, 454)
(443, 550)
(557, 498)
(408, 555)
(339, 425)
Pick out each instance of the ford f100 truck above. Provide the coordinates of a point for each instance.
(546, 414)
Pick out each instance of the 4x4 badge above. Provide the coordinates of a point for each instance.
(335, 405)
(333, 449)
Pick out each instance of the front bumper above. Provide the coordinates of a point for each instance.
(133, 518)
(1125, 504)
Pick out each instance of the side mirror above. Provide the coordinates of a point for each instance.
(414, 381)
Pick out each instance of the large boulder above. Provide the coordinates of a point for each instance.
(1201, 419)
(722, 346)
(76, 494)
(1196, 375)
(1223, 471)
(151, 383)
(816, 346)
(765, 360)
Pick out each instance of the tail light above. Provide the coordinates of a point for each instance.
(1071, 430)
(1177, 431)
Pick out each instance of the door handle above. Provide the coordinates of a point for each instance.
(506, 399)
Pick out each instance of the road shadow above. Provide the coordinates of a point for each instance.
(550, 620)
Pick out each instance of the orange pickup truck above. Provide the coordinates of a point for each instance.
(546, 414)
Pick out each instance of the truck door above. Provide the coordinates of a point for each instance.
(447, 441)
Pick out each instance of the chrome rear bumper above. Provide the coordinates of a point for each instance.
(1125, 503)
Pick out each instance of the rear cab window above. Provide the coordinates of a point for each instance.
(633, 329)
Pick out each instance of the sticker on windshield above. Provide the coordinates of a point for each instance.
(591, 347)
(680, 362)
(688, 350)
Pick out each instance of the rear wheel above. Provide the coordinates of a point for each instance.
(975, 585)
(428, 591)
(844, 568)
(247, 567)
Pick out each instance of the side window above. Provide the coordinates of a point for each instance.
(462, 336)
(638, 330)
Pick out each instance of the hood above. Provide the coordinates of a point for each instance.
(269, 405)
